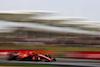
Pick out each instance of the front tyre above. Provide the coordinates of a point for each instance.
(35, 57)
(54, 59)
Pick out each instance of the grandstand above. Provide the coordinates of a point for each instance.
(28, 36)
(34, 28)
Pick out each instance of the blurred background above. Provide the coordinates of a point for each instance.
(65, 29)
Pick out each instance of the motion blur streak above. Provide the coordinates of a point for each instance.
(11, 26)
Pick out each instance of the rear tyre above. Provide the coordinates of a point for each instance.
(9, 57)
(18, 59)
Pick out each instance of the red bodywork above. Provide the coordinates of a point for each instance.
(29, 55)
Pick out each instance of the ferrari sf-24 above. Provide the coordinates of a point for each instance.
(29, 55)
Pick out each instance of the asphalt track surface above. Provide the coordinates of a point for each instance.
(59, 62)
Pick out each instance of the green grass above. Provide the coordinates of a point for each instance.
(27, 65)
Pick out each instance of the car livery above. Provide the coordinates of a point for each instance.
(29, 55)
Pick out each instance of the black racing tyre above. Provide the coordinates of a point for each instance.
(35, 57)
(9, 57)
(54, 59)
(47, 55)
(18, 58)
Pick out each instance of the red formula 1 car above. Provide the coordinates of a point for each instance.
(29, 55)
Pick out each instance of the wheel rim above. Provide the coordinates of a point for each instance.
(34, 58)
(8, 57)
